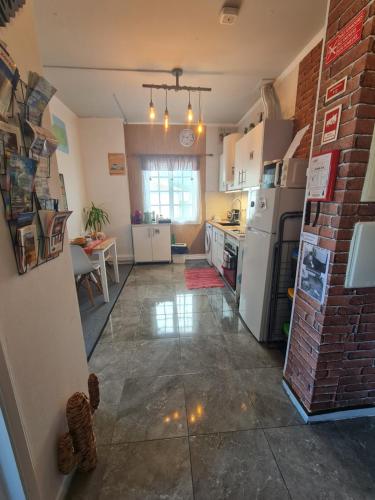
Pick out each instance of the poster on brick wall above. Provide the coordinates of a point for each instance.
(331, 125)
(336, 89)
(314, 271)
(345, 38)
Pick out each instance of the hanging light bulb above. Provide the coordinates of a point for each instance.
(190, 111)
(166, 114)
(151, 112)
(200, 122)
(200, 126)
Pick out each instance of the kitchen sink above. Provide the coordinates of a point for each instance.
(227, 224)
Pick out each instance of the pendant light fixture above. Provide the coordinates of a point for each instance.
(151, 113)
(177, 73)
(166, 114)
(190, 111)
(200, 123)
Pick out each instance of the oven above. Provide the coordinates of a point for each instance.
(231, 246)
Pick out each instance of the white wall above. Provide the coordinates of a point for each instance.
(42, 356)
(285, 86)
(70, 165)
(100, 136)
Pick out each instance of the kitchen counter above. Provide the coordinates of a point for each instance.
(229, 229)
(153, 224)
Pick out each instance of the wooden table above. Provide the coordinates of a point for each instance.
(107, 245)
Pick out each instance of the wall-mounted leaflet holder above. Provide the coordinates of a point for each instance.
(36, 226)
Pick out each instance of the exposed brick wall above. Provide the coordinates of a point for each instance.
(332, 349)
(307, 87)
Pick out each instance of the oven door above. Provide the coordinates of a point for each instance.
(230, 268)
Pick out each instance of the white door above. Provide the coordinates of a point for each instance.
(161, 243)
(263, 209)
(208, 243)
(142, 243)
(255, 286)
(222, 179)
(220, 252)
(252, 156)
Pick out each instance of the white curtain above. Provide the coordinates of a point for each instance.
(171, 187)
(169, 162)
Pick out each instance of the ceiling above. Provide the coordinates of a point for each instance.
(162, 34)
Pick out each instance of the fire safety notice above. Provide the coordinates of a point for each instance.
(345, 38)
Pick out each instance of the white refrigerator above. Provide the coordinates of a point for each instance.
(265, 206)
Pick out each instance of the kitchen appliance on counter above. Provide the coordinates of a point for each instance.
(265, 208)
(293, 173)
(230, 260)
(208, 243)
(234, 216)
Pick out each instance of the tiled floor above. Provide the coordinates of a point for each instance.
(192, 407)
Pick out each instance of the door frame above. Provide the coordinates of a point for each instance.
(16, 429)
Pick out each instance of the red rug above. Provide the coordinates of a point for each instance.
(202, 277)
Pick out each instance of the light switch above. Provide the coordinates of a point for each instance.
(360, 272)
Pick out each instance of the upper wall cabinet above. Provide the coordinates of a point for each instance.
(227, 161)
(268, 141)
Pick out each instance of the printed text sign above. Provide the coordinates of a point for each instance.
(345, 38)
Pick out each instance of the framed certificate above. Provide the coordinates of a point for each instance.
(322, 176)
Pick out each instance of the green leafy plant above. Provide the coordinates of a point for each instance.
(96, 218)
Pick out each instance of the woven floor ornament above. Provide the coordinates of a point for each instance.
(78, 446)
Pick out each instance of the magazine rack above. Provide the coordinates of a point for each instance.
(19, 221)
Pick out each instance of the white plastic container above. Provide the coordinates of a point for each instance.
(179, 258)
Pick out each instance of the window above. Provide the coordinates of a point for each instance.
(171, 188)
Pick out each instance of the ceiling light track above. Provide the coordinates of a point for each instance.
(177, 73)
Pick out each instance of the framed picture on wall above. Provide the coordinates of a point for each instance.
(116, 164)
(59, 129)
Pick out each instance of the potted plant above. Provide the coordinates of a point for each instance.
(96, 218)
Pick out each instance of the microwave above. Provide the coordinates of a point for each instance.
(291, 173)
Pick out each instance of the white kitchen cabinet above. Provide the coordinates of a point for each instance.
(227, 161)
(222, 183)
(268, 141)
(152, 242)
(218, 249)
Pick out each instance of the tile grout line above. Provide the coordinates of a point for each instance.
(188, 440)
(277, 464)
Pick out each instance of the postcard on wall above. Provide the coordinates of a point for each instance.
(314, 271)
(116, 163)
(9, 77)
(64, 200)
(27, 249)
(10, 142)
(21, 175)
(59, 129)
(44, 143)
(39, 93)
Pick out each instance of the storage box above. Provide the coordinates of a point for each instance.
(178, 258)
(179, 248)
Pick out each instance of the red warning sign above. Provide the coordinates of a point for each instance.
(346, 38)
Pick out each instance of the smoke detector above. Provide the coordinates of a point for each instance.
(228, 15)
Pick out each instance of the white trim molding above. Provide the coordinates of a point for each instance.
(327, 417)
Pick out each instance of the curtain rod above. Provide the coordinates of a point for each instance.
(139, 155)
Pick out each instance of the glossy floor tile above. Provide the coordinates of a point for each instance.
(151, 408)
(327, 460)
(236, 465)
(148, 470)
(192, 407)
(218, 401)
